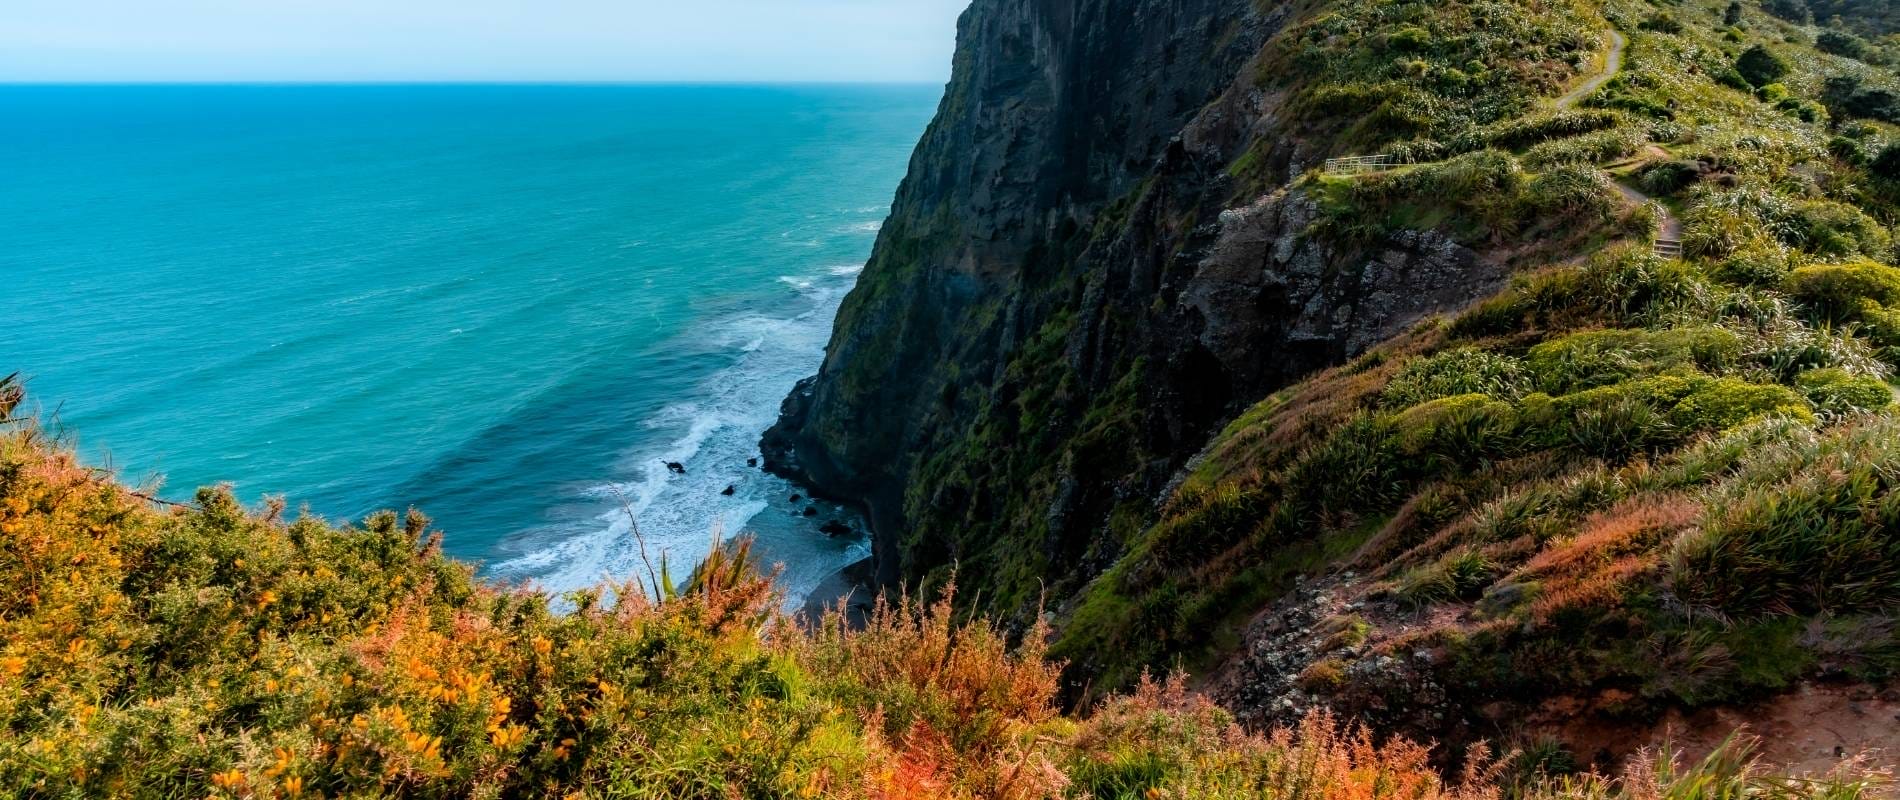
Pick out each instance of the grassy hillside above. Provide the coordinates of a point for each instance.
(1671, 478)
(1656, 481)
(214, 651)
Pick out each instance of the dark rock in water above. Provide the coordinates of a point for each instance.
(834, 528)
(811, 511)
(751, 462)
(675, 467)
(797, 497)
(848, 589)
(729, 490)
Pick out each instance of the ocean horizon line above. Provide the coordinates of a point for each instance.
(398, 83)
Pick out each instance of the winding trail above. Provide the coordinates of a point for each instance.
(1668, 242)
(1669, 235)
(1671, 230)
(1612, 64)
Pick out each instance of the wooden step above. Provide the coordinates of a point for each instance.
(1669, 248)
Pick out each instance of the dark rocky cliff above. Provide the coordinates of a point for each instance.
(1094, 261)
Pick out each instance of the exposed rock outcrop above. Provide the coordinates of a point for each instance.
(1075, 267)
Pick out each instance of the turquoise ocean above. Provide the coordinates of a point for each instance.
(504, 305)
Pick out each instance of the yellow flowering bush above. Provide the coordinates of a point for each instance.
(210, 651)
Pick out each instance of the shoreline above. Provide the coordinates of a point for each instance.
(851, 586)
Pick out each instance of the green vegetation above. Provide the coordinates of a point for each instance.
(1673, 478)
(1760, 66)
(1626, 383)
(1393, 71)
(1770, 151)
(214, 651)
(1478, 196)
(1629, 443)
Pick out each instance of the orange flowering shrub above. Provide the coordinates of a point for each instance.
(212, 651)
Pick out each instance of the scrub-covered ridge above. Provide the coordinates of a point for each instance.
(1569, 412)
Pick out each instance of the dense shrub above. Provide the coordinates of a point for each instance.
(1872, 18)
(1838, 391)
(1886, 165)
(1620, 286)
(1817, 533)
(1841, 43)
(1836, 291)
(1597, 358)
(327, 661)
(1720, 222)
(1461, 575)
(1664, 178)
(1829, 228)
(1766, 265)
(1760, 66)
(1662, 22)
(1518, 133)
(1848, 97)
(1790, 10)
(1847, 149)
(1441, 71)
(1598, 147)
(1623, 418)
(1475, 195)
(1579, 191)
(1458, 371)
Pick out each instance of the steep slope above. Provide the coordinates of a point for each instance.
(1090, 267)
(1056, 110)
(1052, 376)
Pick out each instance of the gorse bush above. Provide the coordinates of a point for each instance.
(218, 652)
(1839, 292)
(1838, 391)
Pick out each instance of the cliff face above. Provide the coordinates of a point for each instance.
(1092, 263)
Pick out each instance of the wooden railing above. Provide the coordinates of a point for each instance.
(1354, 165)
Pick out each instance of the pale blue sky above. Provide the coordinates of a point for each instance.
(477, 40)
